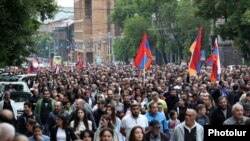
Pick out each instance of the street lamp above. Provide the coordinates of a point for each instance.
(47, 48)
(68, 52)
(99, 46)
(76, 49)
(109, 48)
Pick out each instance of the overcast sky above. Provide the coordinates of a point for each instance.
(65, 3)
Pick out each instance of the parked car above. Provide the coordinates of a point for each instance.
(2, 71)
(8, 78)
(13, 86)
(25, 77)
(19, 99)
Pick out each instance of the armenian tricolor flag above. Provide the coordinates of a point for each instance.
(144, 57)
(195, 49)
(214, 60)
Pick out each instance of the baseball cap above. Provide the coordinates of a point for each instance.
(155, 123)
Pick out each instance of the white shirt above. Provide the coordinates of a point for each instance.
(61, 135)
(81, 126)
(128, 122)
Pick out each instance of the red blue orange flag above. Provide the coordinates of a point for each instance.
(195, 49)
(209, 61)
(144, 57)
(216, 68)
(79, 63)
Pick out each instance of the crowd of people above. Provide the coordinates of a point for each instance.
(119, 103)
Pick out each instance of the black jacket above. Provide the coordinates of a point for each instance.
(70, 134)
(21, 122)
(164, 137)
(51, 121)
(217, 116)
(97, 115)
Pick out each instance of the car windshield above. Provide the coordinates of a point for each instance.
(20, 97)
(13, 87)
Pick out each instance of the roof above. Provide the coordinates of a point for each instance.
(65, 23)
(64, 13)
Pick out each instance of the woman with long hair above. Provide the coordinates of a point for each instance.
(106, 122)
(111, 111)
(61, 131)
(81, 122)
(136, 134)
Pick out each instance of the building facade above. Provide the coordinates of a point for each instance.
(61, 30)
(93, 32)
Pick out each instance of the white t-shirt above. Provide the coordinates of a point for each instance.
(128, 122)
(61, 135)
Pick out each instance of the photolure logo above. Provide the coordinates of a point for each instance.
(241, 132)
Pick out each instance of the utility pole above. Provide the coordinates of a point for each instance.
(109, 48)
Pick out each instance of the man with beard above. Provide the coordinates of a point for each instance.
(222, 112)
(58, 111)
(126, 102)
(172, 99)
(235, 95)
(132, 120)
(43, 107)
(110, 96)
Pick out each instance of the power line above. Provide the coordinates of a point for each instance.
(105, 9)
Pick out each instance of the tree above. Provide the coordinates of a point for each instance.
(121, 13)
(179, 27)
(172, 31)
(134, 29)
(20, 20)
(236, 17)
(43, 43)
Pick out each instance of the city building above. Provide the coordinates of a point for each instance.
(93, 33)
(61, 30)
(229, 53)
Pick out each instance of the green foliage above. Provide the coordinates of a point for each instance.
(42, 41)
(19, 23)
(246, 17)
(175, 26)
(181, 27)
(134, 29)
(121, 13)
(237, 20)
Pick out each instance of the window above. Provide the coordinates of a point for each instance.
(88, 9)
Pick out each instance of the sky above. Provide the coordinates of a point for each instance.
(65, 3)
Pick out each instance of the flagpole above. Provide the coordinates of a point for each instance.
(144, 69)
